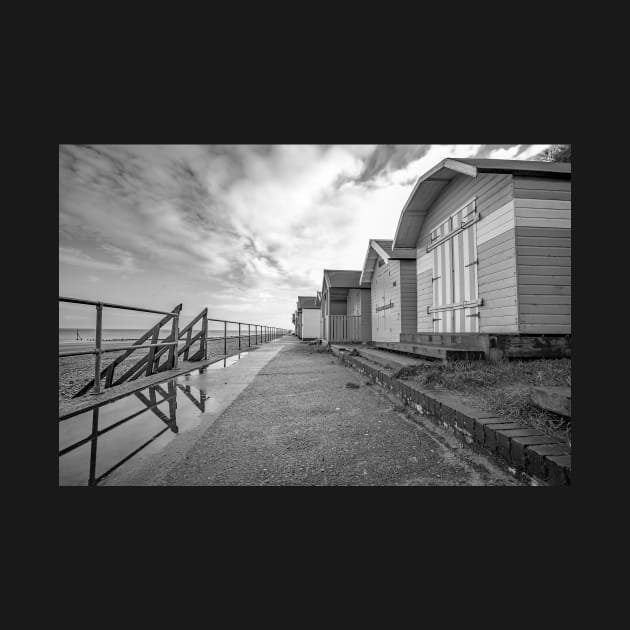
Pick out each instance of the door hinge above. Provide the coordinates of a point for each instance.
(434, 279)
(473, 315)
(474, 262)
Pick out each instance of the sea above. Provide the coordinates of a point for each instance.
(78, 336)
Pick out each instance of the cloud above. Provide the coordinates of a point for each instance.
(77, 258)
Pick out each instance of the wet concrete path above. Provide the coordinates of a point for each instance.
(296, 422)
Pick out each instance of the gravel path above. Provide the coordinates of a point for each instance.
(306, 419)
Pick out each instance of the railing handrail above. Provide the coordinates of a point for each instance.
(110, 305)
(149, 310)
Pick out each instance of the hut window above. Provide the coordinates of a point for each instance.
(394, 283)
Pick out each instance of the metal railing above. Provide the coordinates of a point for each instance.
(262, 334)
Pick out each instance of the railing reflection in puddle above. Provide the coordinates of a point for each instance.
(112, 434)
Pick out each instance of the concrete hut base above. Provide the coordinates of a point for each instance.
(494, 347)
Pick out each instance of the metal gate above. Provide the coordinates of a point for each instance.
(455, 287)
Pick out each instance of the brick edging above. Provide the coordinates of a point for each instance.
(541, 457)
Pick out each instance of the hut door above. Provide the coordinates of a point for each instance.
(455, 289)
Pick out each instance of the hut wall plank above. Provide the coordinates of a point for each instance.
(545, 329)
(542, 188)
(542, 222)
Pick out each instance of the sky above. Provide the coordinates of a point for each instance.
(241, 229)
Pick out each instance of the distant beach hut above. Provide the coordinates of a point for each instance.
(391, 277)
(306, 317)
(345, 307)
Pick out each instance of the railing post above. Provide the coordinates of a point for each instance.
(175, 339)
(239, 336)
(204, 335)
(150, 360)
(97, 356)
(188, 338)
(224, 338)
(249, 335)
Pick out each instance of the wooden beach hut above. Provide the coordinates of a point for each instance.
(306, 317)
(345, 307)
(493, 258)
(391, 276)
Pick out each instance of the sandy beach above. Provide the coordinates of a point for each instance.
(75, 372)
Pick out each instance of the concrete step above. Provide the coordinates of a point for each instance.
(386, 358)
(390, 359)
(436, 352)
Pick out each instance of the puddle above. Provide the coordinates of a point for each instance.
(96, 442)
(226, 362)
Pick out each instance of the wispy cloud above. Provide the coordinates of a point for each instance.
(78, 258)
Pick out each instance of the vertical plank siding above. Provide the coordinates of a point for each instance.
(386, 324)
(408, 299)
(343, 328)
(543, 254)
(425, 298)
(366, 315)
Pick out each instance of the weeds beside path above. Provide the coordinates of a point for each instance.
(503, 388)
